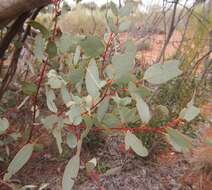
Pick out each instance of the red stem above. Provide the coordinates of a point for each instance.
(36, 98)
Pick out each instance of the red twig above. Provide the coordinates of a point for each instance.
(110, 39)
(36, 97)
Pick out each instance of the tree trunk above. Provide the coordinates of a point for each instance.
(10, 9)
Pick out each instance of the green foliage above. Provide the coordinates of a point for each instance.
(89, 86)
(19, 160)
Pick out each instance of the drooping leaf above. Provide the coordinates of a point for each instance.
(71, 140)
(70, 173)
(92, 80)
(92, 46)
(4, 125)
(77, 55)
(102, 108)
(50, 97)
(65, 95)
(19, 160)
(143, 110)
(161, 73)
(39, 48)
(179, 141)
(131, 141)
(57, 133)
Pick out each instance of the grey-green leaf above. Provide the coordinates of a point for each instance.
(71, 140)
(189, 113)
(161, 73)
(92, 81)
(71, 172)
(179, 141)
(92, 46)
(4, 125)
(131, 141)
(74, 114)
(39, 47)
(50, 96)
(143, 110)
(20, 160)
(102, 108)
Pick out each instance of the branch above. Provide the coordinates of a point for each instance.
(10, 9)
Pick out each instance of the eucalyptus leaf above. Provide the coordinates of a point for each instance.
(39, 47)
(71, 140)
(19, 160)
(4, 125)
(143, 110)
(50, 97)
(179, 141)
(49, 121)
(131, 141)
(161, 73)
(189, 113)
(71, 172)
(74, 114)
(92, 80)
(51, 49)
(103, 108)
(39, 27)
(92, 46)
